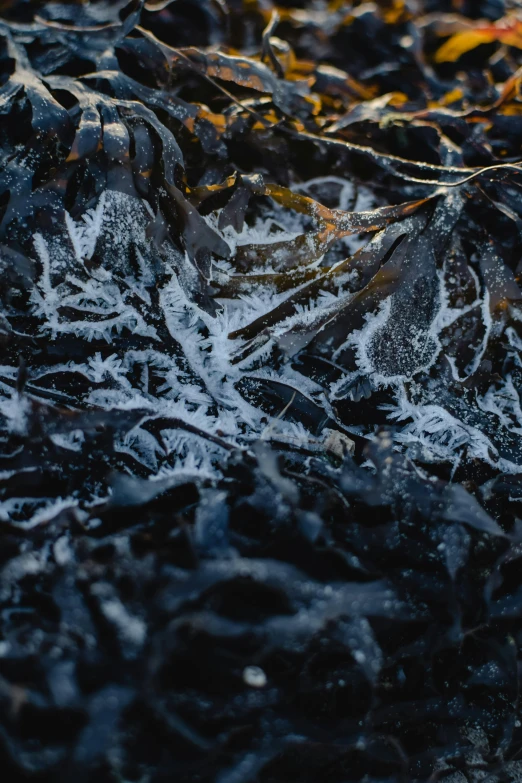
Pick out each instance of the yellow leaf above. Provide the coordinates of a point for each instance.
(397, 12)
(463, 42)
(511, 110)
(453, 96)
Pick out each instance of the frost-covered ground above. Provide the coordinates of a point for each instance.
(179, 361)
(144, 345)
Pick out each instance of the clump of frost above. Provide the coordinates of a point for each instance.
(100, 276)
(95, 280)
(446, 437)
(14, 410)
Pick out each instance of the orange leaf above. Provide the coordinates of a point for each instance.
(507, 31)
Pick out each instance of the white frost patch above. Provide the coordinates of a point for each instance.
(73, 441)
(131, 629)
(445, 436)
(263, 232)
(62, 551)
(15, 409)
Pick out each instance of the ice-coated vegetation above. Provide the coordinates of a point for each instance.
(100, 276)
